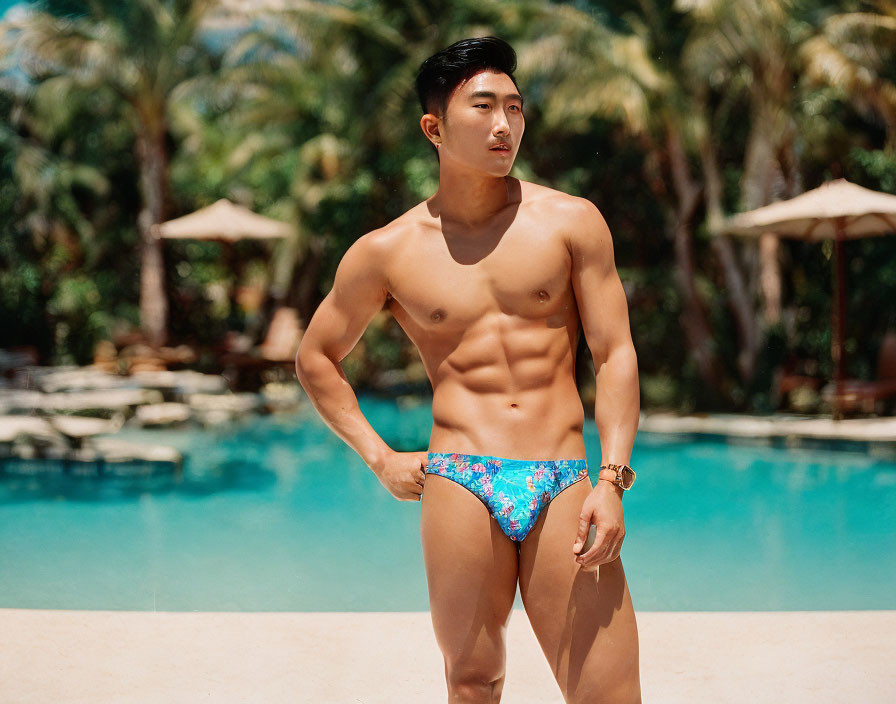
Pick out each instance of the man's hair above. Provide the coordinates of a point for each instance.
(441, 73)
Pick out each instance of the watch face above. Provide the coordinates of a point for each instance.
(628, 477)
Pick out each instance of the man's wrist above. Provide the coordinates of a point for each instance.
(607, 483)
(609, 476)
(376, 459)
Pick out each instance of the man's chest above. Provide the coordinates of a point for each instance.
(436, 284)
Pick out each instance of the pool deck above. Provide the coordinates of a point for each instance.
(875, 435)
(321, 658)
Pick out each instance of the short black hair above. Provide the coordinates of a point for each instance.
(442, 72)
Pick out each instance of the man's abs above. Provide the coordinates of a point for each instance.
(496, 324)
(531, 424)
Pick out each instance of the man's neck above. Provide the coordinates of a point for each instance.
(470, 200)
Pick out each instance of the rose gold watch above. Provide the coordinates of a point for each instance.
(621, 475)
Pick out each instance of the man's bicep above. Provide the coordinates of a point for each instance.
(603, 308)
(359, 291)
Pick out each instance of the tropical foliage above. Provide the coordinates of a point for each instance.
(668, 114)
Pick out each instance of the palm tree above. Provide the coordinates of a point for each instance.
(748, 50)
(855, 53)
(141, 51)
(44, 177)
(753, 53)
(634, 78)
(330, 89)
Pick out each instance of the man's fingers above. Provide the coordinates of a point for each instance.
(600, 545)
(600, 553)
(614, 551)
(584, 523)
(586, 556)
(413, 480)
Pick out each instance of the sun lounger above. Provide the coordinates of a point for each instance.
(868, 396)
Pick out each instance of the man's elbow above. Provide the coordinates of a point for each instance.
(304, 363)
(625, 351)
(299, 371)
(311, 363)
(621, 354)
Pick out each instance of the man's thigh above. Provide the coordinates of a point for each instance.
(585, 625)
(471, 573)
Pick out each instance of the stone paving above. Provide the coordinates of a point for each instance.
(125, 657)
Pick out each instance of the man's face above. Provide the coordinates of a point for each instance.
(482, 112)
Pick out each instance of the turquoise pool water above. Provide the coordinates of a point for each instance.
(276, 514)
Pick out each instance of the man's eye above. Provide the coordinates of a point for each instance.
(481, 105)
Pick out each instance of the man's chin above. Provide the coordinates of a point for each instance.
(490, 169)
(502, 172)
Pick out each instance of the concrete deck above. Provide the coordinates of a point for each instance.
(129, 657)
(877, 434)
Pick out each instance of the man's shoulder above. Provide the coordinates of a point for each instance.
(394, 233)
(372, 255)
(573, 217)
(556, 203)
(385, 239)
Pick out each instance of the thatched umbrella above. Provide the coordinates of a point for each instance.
(226, 222)
(837, 210)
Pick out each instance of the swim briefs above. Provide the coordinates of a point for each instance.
(514, 491)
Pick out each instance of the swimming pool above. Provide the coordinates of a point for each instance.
(276, 514)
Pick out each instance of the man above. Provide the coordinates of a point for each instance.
(490, 279)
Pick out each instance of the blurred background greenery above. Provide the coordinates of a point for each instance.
(669, 115)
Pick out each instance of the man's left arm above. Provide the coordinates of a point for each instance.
(603, 310)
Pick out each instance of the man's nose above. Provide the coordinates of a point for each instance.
(502, 126)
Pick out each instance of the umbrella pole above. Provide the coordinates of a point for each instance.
(230, 263)
(838, 351)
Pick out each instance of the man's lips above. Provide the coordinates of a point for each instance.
(501, 148)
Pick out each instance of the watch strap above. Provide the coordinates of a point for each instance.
(614, 473)
(609, 474)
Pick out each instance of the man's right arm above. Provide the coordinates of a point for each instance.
(359, 291)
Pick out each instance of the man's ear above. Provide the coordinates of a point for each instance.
(429, 123)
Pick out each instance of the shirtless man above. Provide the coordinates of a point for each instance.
(490, 278)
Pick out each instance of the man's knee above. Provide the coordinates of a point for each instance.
(471, 683)
(475, 691)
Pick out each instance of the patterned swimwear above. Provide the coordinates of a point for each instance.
(514, 491)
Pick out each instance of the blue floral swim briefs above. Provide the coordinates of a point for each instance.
(514, 491)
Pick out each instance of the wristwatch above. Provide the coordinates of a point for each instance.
(620, 474)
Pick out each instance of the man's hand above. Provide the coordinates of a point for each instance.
(603, 508)
(402, 474)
